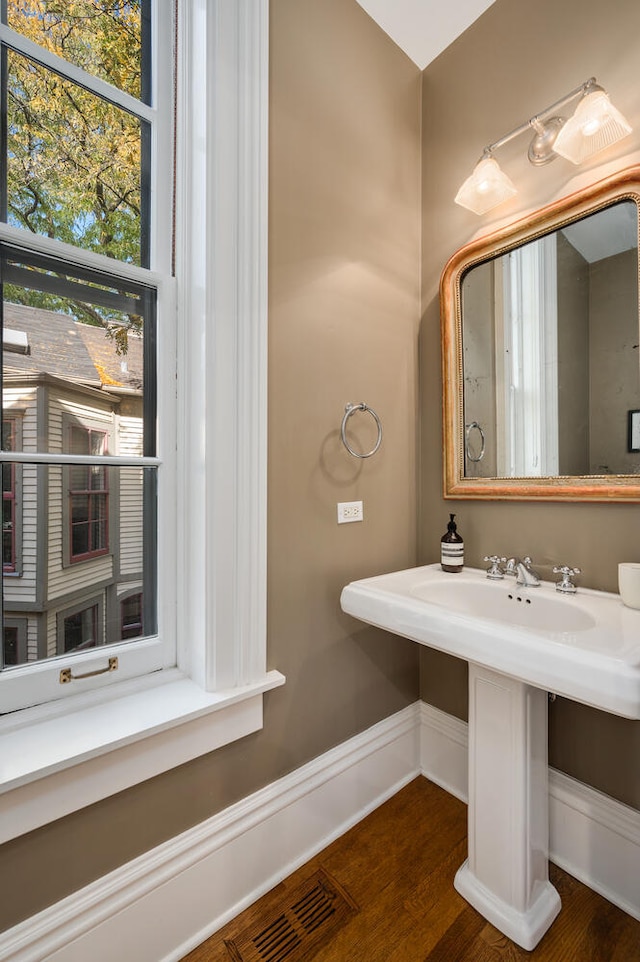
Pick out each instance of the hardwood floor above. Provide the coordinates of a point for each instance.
(397, 866)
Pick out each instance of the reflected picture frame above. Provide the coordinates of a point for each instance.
(633, 443)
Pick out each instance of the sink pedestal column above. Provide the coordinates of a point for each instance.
(506, 876)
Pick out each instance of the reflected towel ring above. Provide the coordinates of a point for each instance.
(348, 411)
(469, 428)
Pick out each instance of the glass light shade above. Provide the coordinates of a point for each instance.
(487, 187)
(596, 124)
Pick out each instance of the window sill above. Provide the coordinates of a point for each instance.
(64, 761)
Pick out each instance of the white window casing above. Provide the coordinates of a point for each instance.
(528, 361)
(61, 756)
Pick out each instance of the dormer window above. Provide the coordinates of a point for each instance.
(16, 342)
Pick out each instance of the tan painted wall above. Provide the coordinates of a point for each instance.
(344, 316)
(478, 338)
(573, 359)
(615, 360)
(511, 63)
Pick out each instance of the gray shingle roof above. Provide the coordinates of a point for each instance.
(60, 346)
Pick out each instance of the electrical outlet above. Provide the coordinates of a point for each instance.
(349, 511)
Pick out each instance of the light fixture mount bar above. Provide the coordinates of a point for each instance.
(594, 125)
(581, 89)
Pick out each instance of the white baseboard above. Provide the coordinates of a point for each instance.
(444, 749)
(592, 836)
(164, 903)
(596, 839)
(161, 905)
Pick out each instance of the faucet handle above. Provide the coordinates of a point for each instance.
(495, 571)
(566, 585)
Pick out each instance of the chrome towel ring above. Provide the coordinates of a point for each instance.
(348, 411)
(469, 428)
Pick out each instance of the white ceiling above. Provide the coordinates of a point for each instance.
(423, 28)
(616, 230)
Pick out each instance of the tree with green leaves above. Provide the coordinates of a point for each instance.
(74, 159)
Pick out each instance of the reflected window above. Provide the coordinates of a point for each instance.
(9, 514)
(81, 630)
(11, 646)
(131, 617)
(528, 361)
(88, 497)
(14, 643)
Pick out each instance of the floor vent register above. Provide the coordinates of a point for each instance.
(309, 914)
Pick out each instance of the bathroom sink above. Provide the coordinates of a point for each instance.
(584, 646)
(507, 604)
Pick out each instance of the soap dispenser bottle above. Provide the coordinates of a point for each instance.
(452, 549)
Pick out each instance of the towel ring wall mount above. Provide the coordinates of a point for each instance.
(351, 409)
(468, 429)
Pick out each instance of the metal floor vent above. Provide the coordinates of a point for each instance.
(311, 913)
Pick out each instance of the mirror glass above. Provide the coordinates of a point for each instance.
(541, 350)
(550, 352)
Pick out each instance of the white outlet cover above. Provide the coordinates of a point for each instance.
(350, 511)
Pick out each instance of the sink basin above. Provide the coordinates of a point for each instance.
(507, 604)
(584, 646)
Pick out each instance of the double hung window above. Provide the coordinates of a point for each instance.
(85, 253)
(139, 455)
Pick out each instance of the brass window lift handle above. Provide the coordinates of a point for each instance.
(66, 675)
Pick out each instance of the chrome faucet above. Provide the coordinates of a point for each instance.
(525, 575)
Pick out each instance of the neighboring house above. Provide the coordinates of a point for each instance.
(72, 535)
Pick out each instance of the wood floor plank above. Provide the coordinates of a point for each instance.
(398, 866)
(457, 942)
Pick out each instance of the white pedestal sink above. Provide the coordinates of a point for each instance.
(520, 643)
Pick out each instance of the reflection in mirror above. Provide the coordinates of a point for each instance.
(550, 348)
(541, 350)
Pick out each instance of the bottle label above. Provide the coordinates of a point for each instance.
(452, 553)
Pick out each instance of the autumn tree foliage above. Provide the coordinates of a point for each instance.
(74, 160)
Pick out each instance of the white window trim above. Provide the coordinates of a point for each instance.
(57, 758)
(530, 343)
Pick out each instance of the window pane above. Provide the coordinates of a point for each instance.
(10, 651)
(80, 519)
(8, 431)
(79, 444)
(8, 498)
(78, 477)
(8, 531)
(104, 37)
(97, 445)
(87, 342)
(81, 630)
(74, 164)
(84, 605)
(97, 477)
(131, 616)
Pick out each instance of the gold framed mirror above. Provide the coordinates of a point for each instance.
(541, 353)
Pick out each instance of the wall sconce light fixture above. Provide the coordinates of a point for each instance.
(595, 124)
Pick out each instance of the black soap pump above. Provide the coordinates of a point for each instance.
(452, 549)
